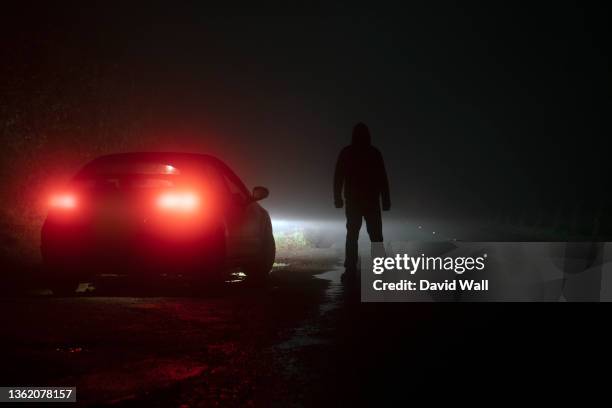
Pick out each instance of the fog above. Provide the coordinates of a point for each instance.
(478, 113)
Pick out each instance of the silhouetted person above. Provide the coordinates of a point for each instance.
(360, 171)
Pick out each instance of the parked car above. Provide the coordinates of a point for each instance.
(153, 214)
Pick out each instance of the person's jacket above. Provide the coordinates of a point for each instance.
(360, 172)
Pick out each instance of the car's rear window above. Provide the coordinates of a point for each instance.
(124, 182)
(124, 175)
(144, 175)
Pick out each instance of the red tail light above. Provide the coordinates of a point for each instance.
(65, 201)
(176, 201)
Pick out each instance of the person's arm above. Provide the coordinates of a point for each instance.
(339, 175)
(384, 186)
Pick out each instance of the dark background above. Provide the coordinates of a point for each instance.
(481, 112)
(495, 112)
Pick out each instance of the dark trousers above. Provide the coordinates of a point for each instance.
(354, 218)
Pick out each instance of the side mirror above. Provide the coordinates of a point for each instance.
(259, 193)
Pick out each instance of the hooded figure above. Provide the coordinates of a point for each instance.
(360, 172)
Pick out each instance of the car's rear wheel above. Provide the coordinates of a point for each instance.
(258, 271)
(61, 277)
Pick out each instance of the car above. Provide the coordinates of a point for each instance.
(153, 214)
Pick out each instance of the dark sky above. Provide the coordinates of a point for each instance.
(474, 109)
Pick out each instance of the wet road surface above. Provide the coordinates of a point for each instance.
(232, 346)
(304, 340)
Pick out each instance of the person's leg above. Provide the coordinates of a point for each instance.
(373, 220)
(374, 225)
(353, 225)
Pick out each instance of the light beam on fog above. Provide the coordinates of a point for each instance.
(293, 233)
(394, 229)
(284, 225)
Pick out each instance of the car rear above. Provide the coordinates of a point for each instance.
(133, 215)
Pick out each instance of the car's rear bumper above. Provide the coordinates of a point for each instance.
(80, 251)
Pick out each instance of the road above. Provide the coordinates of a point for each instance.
(304, 340)
(232, 346)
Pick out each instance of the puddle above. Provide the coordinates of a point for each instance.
(306, 334)
(333, 292)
